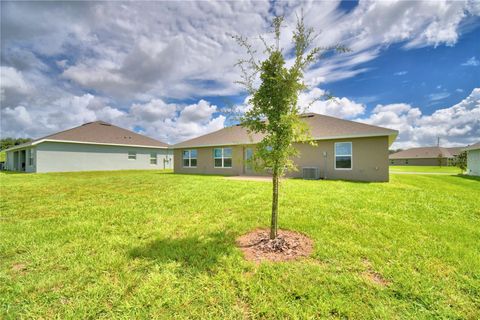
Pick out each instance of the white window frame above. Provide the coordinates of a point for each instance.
(155, 157)
(132, 155)
(223, 158)
(31, 160)
(343, 155)
(189, 151)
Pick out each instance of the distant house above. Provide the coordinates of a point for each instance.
(425, 156)
(92, 146)
(345, 150)
(473, 159)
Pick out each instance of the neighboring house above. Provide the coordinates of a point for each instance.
(92, 146)
(473, 159)
(345, 150)
(3, 155)
(425, 156)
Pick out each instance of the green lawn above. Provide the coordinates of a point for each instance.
(427, 169)
(139, 244)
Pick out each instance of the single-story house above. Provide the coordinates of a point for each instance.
(92, 146)
(345, 150)
(425, 156)
(473, 159)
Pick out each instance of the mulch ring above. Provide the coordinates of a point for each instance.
(289, 245)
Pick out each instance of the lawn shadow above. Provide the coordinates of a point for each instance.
(197, 253)
(13, 172)
(468, 177)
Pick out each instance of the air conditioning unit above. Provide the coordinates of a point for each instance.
(311, 173)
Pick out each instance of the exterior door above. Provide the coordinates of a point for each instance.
(248, 168)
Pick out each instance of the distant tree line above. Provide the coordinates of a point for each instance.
(394, 151)
(6, 143)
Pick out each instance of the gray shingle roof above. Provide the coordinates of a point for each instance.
(321, 128)
(426, 153)
(474, 146)
(99, 132)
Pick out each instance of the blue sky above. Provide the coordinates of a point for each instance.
(166, 69)
(429, 77)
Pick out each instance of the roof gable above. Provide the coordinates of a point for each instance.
(99, 132)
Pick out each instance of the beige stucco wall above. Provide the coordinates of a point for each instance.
(369, 161)
(418, 162)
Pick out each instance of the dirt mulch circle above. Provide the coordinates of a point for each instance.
(289, 245)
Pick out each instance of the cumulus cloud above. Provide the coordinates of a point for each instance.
(185, 51)
(456, 125)
(71, 62)
(315, 101)
(12, 82)
(165, 121)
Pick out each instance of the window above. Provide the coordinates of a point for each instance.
(343, 155)
(222, 157)
(30, 157)
(132, 156)
(190, 158)
(406, 161)
(153, 158)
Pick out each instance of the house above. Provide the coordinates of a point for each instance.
(345, 150)
(473, 159)
(92, 146)
(425, 156)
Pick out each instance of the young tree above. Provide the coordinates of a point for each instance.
(461, 161)
(274, 103)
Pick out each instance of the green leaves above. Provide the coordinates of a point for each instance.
(274, 111)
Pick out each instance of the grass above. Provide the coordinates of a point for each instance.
(149, 244)
(426, 169)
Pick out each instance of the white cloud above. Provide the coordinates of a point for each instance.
(185, 51)
(13, 82)
(472, 62)
(456, 125)
(400, 73)
(165, 121)
(314, 101)
(438, 96)
(123, 62)
(154, 110)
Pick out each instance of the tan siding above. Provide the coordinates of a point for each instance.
(418, 162)
(370, 160)
(205, 163)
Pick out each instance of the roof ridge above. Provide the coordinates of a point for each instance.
(345, 120)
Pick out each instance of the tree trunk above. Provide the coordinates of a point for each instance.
(274, 222)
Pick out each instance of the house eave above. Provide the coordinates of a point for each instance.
(34, 143)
